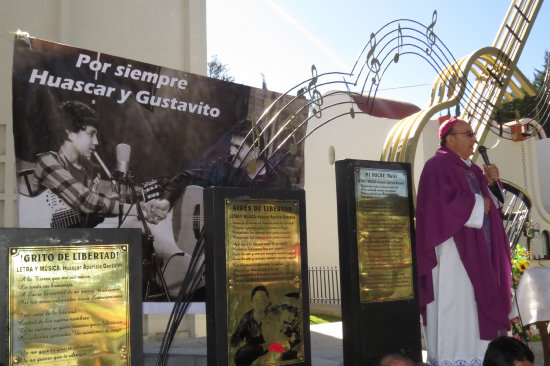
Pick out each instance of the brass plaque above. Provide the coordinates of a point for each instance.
(383, 235)
(69, 305)
(264, 282)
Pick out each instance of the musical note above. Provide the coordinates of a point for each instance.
(372, 41)
(399, 43)
(313, 83)
(314, 94)
(430, 35)
(318, 100)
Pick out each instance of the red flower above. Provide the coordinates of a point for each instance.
(276, 347)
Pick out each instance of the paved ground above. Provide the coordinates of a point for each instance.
(326, 348)
(328, 343)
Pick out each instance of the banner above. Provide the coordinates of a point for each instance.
(170, 120)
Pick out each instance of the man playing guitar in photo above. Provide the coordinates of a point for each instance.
(231, 169)
(69, 172)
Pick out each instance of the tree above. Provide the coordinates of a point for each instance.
(218, 70)
(540, 74)
(526, 107)
(264, 84)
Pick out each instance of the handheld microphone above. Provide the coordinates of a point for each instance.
(123, 158)
(495, 188)
(483, 152)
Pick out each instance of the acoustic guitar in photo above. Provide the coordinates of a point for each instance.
(188, 218)
(46, 209)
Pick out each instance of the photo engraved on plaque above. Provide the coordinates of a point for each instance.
(383, 235)
(264, 282)
(69, 305)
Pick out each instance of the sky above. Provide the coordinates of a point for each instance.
(282, 39)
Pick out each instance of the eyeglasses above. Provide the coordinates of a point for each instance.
(467, 133)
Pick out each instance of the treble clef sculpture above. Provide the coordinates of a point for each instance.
(314, 93)
(430, 35)
(373, 62)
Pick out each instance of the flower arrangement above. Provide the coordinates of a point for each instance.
(520, 262)
(521, 333)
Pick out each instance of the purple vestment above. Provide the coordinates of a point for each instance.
(444, 204)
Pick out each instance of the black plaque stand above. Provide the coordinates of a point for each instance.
(217, 288)
(375, 328)
(75, 237)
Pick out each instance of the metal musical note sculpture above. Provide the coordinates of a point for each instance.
(494, 68)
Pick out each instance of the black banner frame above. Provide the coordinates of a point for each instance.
(373, 329)
(216, 275)
(27, 237)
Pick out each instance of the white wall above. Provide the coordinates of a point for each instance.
(170, 33)
(542, 148)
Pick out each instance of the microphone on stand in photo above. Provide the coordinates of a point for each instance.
(122, 168)
(123, 158)
(120, 176)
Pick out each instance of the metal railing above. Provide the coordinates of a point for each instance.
(324, 285)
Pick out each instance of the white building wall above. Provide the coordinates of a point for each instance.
(542, 148)
(170, 33)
